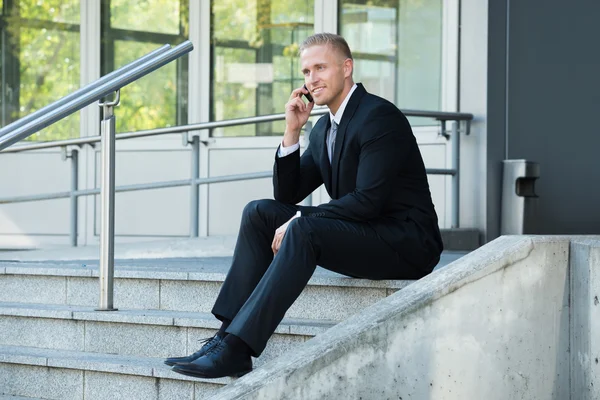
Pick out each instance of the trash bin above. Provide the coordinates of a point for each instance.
(519, 201)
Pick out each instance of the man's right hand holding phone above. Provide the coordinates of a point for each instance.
(296, 115)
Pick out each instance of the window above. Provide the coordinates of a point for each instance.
(397, 46)
(255, 59)
(130, 30)
(40, 60)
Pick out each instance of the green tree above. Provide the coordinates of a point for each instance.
(44, 40)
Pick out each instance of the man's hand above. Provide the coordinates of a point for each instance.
(296, 115)
(279, 234)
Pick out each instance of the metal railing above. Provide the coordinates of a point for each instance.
(195, 181)
(111, 83)
(74, 102)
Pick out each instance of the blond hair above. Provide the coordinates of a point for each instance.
(337, 42)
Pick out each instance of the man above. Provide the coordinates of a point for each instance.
(380, 223)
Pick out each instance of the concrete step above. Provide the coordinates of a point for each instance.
(8, 397)
(74, 375)
(189, 285)
(145, 333)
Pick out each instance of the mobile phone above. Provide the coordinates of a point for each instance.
(307, 95)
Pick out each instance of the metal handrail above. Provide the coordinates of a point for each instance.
(195, 180)
(91, 140)
(73, 96)
(74, 102)
(17, 131)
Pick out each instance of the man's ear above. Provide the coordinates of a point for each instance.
(348, 67)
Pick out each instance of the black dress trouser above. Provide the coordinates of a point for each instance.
(260, 288)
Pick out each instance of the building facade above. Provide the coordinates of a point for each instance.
(526, 71)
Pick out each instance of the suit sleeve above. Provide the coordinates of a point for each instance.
(385, 142)
(295, 176)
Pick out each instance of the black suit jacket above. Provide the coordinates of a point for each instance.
(376, 176)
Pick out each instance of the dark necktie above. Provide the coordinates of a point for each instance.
(331, 140)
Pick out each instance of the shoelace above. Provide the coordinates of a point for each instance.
(208, 342)
(216, 348)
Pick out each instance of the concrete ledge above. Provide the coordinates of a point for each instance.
(200, 270)
(467, 331)
(212, 246)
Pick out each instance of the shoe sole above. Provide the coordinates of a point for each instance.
(198, 375)
(172, 364)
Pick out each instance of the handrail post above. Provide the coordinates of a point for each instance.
(194, 187)
(107, 198)
(456, 177)
(74, 187)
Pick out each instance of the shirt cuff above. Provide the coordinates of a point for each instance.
(284, 151)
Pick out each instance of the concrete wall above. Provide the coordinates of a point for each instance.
(585, 324)
(493, 325)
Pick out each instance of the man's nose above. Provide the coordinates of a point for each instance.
(312, 80)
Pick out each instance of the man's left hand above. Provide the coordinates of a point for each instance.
(279, 234)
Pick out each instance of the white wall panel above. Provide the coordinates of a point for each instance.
(227, 200)
(34, 173)
(155, 212)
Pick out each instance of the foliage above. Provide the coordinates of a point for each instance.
(48, 60)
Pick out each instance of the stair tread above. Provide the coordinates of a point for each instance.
(9, 397)
(189, 269)
(109, 363)
(299, 326)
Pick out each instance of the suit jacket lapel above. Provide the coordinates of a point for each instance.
(351, 108)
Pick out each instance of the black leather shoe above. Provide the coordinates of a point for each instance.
(208, 345)
(220, 361)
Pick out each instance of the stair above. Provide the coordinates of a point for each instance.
(53, 345)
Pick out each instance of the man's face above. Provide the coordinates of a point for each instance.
(325, 71)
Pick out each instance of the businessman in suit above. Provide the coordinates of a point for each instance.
(380, 223)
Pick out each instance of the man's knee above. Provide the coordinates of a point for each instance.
(253, 208)
(300, 235)
(263, 211)
(299, 229)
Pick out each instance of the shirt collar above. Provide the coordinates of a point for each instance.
(338, 115)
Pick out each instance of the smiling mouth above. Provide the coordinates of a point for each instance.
(318, 90)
